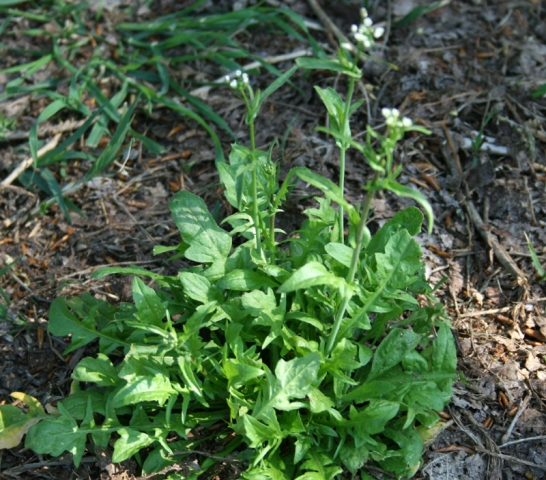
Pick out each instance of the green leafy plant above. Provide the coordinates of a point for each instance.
(540, 91)
(418, 12)
(297, 356)
(541, 273)
(478, 140)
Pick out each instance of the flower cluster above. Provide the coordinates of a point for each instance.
(238, 80)
(366, 33)
(392, 118)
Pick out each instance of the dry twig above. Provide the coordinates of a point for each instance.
(451, 158)
(330, 26)
(27, 162)
(521, 409)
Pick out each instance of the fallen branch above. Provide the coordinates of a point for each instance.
(451, 158)
(202, 92)
(500, 253)
(330, 26)
(27, 162)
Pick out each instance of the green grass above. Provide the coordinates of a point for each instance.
(139, 62)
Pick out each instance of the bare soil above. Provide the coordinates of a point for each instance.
(454, 67)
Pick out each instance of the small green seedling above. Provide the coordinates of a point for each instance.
(541, 273)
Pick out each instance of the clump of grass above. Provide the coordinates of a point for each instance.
(102, 77)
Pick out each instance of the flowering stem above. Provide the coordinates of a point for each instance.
(346, 126)
(255, 212)
(272, 237)
(354, 264)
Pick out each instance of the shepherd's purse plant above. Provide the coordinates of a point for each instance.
(298, 356)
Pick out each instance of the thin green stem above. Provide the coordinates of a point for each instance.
(360, 230)
(255, 212)
(346, 127)
(354, 264)
(272, 248)
(342, 188)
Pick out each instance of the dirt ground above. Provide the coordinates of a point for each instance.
(455, 66)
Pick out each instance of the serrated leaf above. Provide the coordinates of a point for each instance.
(397, 268)
(76, 403)
(318, 467)
(294, 379)
(150, 308)
(207, 242)
(258, 433)
(62, 434)
(239, 373)
(62, 322)
(401, 260)
(342, 359)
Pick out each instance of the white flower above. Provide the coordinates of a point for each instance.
(392, 118)
(365, 33)
(233, 83)
(346, 46)
(359, 37)
(238, 73)
(226, 79)
(378, 32)
(245, 78)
